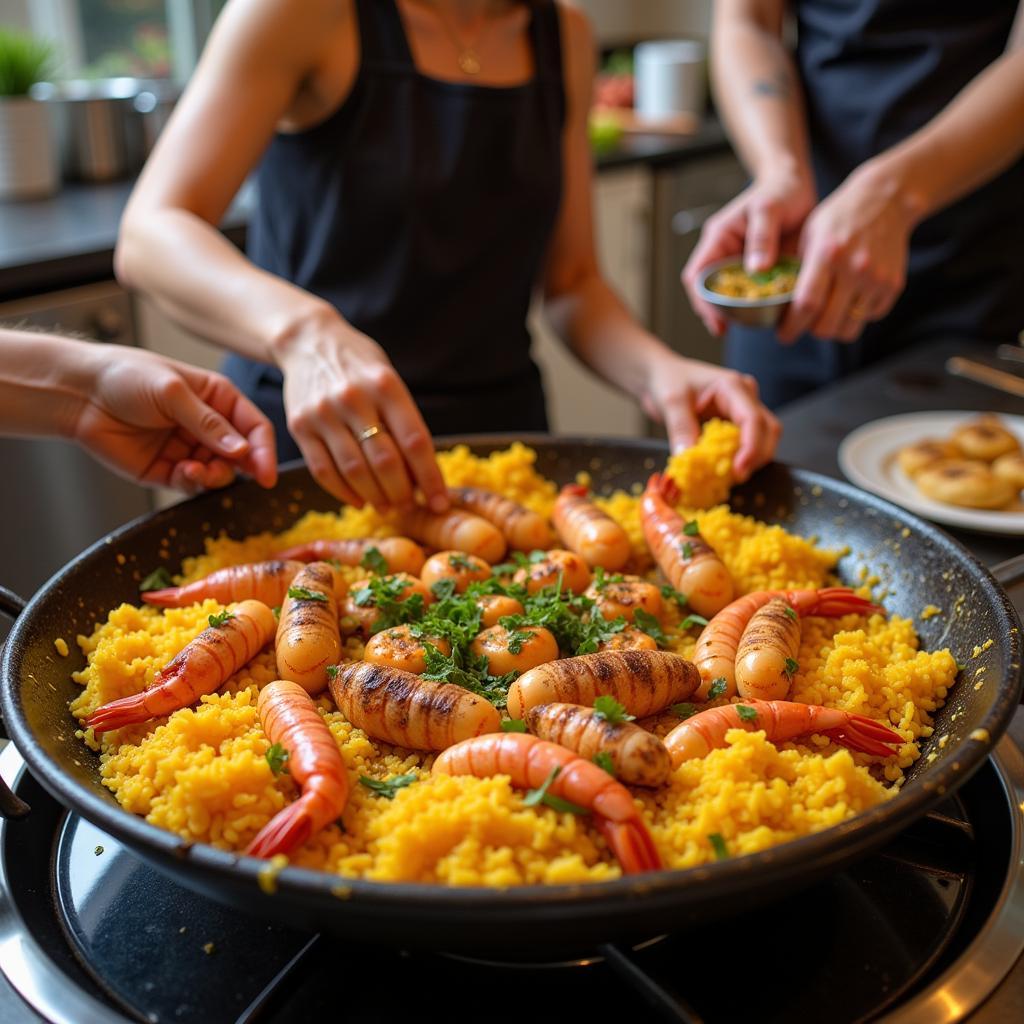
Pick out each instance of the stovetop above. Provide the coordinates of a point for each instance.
(922, 931)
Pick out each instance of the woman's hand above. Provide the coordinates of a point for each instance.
(756, 224)
(338, 386)
(853, 258)
(165, 423)
(681, 392)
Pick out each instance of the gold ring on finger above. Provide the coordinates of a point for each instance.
(368, 432)
(857, 311)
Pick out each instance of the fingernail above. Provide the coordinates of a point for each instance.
(438, 503)
(232, 443)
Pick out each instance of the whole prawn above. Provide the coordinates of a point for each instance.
(717, 646)
(530, 761)
(290, 718)
(200, 667)
(524, 530)
(455, 530)
(781, 720)
(588, 531)
(684, 556)
(261, 581)
(400, 553)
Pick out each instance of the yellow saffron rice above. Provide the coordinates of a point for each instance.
(203, 773)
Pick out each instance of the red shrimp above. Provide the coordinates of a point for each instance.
(715, 656)
(588, 531)
(261, 581)
(781, 720)
(530, 761)
(683, 555)
(290, 718)
(401, 554)
(200, 667)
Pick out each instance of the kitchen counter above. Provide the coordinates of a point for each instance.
(68, 240)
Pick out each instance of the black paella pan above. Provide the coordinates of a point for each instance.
(918, 563)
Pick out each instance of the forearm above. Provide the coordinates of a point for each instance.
(756, 89)
(203, 282)
(44, 381)
(976, 137)
(601, 332)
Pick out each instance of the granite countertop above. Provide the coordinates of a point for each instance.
(68, 240)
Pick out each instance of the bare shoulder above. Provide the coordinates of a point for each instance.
(577, 54)
(281, 30)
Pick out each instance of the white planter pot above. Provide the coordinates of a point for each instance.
(28, 162)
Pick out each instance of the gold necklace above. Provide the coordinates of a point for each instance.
(467, 57)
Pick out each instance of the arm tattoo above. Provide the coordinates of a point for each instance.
(776, 87)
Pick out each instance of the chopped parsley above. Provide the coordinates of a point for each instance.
(374, 561)
(692, 620)
(602, 579)
(790, 613)
(305, 594)
(385, 593)
(387, 788)
(650, 625)
(444, 588)
(518, 637)
(671, 594)
(686, 550)
(277, 611)
(608, 708)
(158, 579)
(792, 667)
(604, 760)
(717, 688)
(332, 671)
(691, 529)
(276, 757)
(684, 710)
(718, 845)
(542, 796)
(746, 712)
(460, 560)
(220, 619)
(468, 670)
(513, 725)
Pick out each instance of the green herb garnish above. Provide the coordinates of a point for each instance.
(602, 579)
(460, 560)
(671, 594)
(608, 708)
(691, 529)
(465, 669)
(513, 725)
(537, 555)
(277, 611)
(158, 579)
(542, 796)
(650, 625)
(746, 712)
(692, 620)
(276, 757)
(717, 688)
(686, 550)
(305, 594)
(374, 561)
(604, 760)
(220, 619)
(332, 672)
(684, 710)
(718, 845)
(792, 667)
(518, 637)
(786, 265)
(385, 593)
(790, 613)
(387, 788)
(444, 588)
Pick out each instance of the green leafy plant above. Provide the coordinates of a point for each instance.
(24, 60)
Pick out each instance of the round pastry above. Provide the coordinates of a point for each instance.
(963, 482)
(1011, 468)
(924, 453)
(985, 438)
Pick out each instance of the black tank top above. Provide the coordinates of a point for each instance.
(421, 210)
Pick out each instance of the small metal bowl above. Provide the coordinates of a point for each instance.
(765, 312)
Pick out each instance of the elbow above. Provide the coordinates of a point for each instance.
(126, 258)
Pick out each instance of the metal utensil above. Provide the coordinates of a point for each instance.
(982, 374)
(766, 312)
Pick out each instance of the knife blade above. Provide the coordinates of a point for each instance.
(982, 374)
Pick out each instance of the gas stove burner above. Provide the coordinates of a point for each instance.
(921, 933)
(593, 959)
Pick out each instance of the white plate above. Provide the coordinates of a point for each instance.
(867, 457)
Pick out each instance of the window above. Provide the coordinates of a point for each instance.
(140, 38)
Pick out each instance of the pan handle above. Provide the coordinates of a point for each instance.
(11, 806)
(1009, 572)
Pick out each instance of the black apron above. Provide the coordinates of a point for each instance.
(421, 210)
(873, 72)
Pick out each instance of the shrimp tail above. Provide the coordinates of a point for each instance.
(119, 713)
(865, 735)
(574, 491)
(835, 601)
(664, 487)
(288, 829)
(631, 843)
(168, 597)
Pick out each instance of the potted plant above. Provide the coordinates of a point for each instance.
(28, 165)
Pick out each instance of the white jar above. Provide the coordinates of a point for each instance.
(28, 163)
(670, 78)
